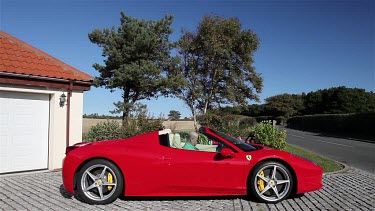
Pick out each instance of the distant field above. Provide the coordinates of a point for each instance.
(174, 125)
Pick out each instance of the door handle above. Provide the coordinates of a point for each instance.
(165, 158)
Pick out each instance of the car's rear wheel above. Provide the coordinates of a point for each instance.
(99, 181)
(271, 182)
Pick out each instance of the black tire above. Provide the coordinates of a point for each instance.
(281, 181)
(95, 176)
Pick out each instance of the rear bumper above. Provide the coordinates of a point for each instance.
(68, 172)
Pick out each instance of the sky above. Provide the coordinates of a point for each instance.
(305, 45)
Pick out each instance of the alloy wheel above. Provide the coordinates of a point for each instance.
(98, 182)
(272, 183)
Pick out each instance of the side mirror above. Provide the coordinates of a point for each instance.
(226, 152)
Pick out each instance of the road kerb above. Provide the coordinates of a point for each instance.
(343, 170)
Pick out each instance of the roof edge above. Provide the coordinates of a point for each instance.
(89, 83)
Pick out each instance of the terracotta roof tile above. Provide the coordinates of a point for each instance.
(19, 57)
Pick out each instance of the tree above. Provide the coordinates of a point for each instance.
(256, 110)
(137, 55)
(216, 65)
(174, 115)
(285, 104)
(335, 100)
(339, 100)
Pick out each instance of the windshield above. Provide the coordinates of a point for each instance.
(240, 144)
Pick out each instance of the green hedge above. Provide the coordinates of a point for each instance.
(361, 124)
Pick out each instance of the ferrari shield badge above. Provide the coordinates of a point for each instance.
(248, 157)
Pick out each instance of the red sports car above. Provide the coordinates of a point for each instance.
(157, 164)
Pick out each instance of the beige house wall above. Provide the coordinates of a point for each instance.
(57, 120)
(76, 113)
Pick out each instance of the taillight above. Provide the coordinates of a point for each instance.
(70, 148)
(75, 146)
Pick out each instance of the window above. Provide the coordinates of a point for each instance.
(205, 142)
(240, 144)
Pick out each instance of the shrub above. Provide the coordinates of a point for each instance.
(266, 134)
(202, 139)
(139, 123)
(260, 119)
(103, 131)
(247, 122)
(280, 120)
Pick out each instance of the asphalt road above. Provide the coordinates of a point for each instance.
(354, 153)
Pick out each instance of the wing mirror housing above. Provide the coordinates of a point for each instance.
(226, 152)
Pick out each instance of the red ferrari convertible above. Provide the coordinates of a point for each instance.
(156, 164)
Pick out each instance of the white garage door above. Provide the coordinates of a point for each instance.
(24, 124)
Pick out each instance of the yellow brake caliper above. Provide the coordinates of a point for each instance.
(110, 180)
(261, 182)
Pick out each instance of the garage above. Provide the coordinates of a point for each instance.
(24, 120)
(41, 107)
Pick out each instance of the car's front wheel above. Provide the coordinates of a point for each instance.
(99, 181)
(271, 182)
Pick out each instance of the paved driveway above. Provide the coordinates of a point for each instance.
(352, 190)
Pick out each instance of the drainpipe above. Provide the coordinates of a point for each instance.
(68, 113)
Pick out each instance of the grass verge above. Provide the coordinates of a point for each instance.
(328, 165)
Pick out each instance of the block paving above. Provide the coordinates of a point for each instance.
(350, 190)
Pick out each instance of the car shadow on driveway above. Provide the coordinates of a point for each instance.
(64, 193)
(178, 198)
(68, 195)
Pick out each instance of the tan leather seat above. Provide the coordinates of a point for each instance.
(171, 136)
(176, 143)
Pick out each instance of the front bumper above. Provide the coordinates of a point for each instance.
(309, 178)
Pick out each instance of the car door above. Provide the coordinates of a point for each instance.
(193, 172)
